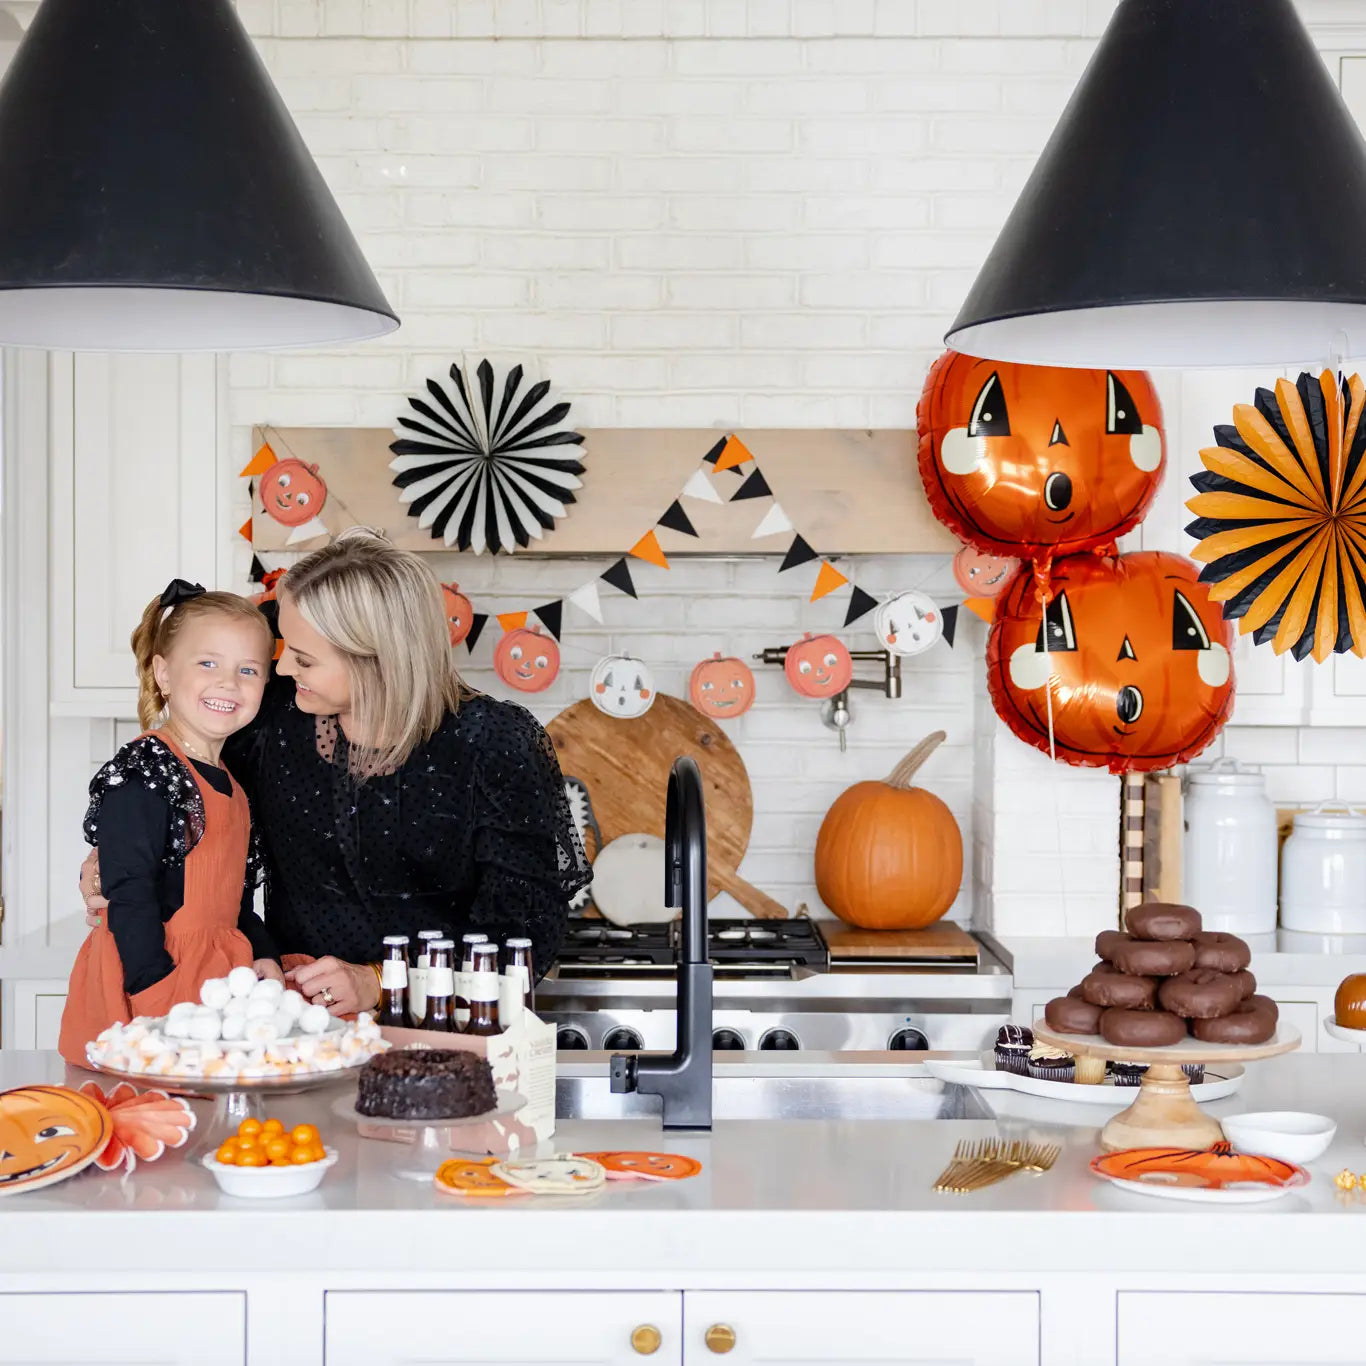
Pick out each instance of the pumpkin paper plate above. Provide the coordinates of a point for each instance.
(627, 1166)
(1216, 1175)
(48, 1133)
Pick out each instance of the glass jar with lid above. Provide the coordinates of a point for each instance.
(1323, 879)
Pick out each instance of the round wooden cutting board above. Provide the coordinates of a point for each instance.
(625, 766)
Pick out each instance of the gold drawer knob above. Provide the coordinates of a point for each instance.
(646, 1339)
(720, 1338)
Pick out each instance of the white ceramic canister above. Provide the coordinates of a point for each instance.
(1229, 851)
(1323, 872)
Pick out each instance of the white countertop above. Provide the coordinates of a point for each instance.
(773, 1196)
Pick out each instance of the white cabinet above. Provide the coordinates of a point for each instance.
(1266, 1329)
(490, 1328)
(892, 1328)
(123, 1329)
(134, 502)
(34, 1010)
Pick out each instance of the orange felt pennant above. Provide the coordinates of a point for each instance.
(244, 531)
(734, 453)
(981, 607)
(827, 581)
(260, 462)
(512, 621)
(647, 548)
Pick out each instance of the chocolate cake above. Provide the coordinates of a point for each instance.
(426, 1083)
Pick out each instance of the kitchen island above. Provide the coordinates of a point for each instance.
(811, 1240)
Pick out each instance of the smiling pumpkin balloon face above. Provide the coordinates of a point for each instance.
(292, 493)
(1137, 662)
(48, 1133)
(459, 612)
(818, 666)
(527, 660)
(1036, 461)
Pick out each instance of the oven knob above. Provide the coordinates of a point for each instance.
(908, 1040)
(566, 1038)
(728, 1040)
(620, 1038)
(780, 1039)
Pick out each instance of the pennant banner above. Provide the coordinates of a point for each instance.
(860, 604)
(949, 616)
(827, 581)
(260, 462)
(675, 519)
(699, 486)
(733, 453)
(756, 486)
(798, 553)
(551, 616)
(619, 576)
(774, 521)
(477, 623)
(512, 621)
(647, 548)
(586, 600)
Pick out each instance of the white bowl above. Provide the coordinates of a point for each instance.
(269, 1183)
(1291, 1135)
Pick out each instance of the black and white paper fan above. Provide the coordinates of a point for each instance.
(483, 469)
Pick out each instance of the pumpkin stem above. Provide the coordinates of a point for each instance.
(902, 774)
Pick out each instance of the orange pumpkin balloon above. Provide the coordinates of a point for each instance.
(818, 666)
(722, 687)
(527, 660)
(48, 1133)
(459, 612)
(1035, 461)
(889, 856)
(1137, 662)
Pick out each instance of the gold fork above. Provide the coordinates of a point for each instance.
(971, 1159)
(976, 1166)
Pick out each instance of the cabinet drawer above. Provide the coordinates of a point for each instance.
(490, 1328)
(1226, 1329)
(123, 1329)
(892, 1328)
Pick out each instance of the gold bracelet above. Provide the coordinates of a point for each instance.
(379, 980)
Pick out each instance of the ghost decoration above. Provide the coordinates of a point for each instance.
(293, 494)
(1128, 669)
(722, 687)
(818, 666)
(622, 687)
(459, 612)
(908, 624)
(526, 659)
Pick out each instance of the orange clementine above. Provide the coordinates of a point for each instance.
(227, 1155)
(251, 1157)
(301, 1155)
(303, 1133)
(249, 1128)
(280, 1162)
(272, 1126)
(277, 1147)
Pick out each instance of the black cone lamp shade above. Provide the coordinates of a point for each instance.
(155, 194)
(1202, 201)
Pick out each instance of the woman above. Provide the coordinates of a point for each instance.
(389, 797)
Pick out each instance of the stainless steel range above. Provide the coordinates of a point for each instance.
(612, 989)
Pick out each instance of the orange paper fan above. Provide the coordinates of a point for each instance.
(145, 1124)
(1281, 517)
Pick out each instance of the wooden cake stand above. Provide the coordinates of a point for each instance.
(1164, 1115)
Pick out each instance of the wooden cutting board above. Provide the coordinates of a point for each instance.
(625, 766)
(941, 941)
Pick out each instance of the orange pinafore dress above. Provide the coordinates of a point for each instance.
(202, 936)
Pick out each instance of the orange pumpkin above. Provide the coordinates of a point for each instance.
(818, 666)
(48, 1133)
(526, 659)
(459, 612)
(1137, 662)
(1034, 460)
(722, 687)
(889, 856)
(292, 492)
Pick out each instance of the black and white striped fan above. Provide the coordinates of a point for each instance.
(483, 470)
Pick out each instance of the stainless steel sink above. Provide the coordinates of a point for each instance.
(781, 1086)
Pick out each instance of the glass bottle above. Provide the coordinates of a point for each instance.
(417, 978)
(393, 982)
(517, 962)
(462, 1005)
(483, 991)
(441, 988)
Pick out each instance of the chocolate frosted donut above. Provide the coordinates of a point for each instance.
(1155, 958)
(1107, 941)
(1141, 1028)
(1201, 994)
(1222, 952)
(1247, 983)
(1162, 920)
(1254, 1021)
(1103, 986)
(1068, 1015)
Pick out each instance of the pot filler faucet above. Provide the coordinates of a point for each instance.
(682, 1080)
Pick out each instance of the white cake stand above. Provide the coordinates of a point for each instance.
(1164, 1114)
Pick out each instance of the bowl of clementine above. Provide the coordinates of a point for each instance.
(266, 1160)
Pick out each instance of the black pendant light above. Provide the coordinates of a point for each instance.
(155, 194)
(1202, 201)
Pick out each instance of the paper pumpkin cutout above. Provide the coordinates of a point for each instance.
(983, 575)
(632, 1166)
(485, 473)
(622, 687)
(908, 624)
(526, 659)
(293, 494)
(1281, 517)
(1036, 461)
(818, 666)
(1136, 662)
(1208, 1168)
(722, 687)
(48, 1133)
(459, 612)
(145, 1124)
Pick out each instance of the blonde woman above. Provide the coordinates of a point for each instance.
(389, 797)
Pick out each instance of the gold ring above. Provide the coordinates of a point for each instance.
(328, 998)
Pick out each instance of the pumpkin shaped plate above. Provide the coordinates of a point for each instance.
(48, 1133)
(1215, 1175)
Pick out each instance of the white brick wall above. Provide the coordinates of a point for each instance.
(711, 213)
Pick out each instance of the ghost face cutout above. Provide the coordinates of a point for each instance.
(983, 575)
(1036, 461)
(818, 666)
(1135, 656)
(527, 660)
(622, 687)
(908, 624)
(459, 612)
(292, 493)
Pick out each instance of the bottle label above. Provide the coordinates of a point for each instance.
(393, 973)
(417, 989)
(440, 982)
(481, 986)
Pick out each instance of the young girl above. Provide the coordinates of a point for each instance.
(172, 827)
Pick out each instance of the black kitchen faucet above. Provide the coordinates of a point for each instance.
(683, 1079)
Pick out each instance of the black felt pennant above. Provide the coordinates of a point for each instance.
(860, 604)
(551, 616)
(713, 455)
(258, 571)
(950, 616)
(619, 576)
(756, 486)
(477, 623)
(677, 520)
(797, 553)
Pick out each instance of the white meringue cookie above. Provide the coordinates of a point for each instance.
(292, 1003)
(267, 989)
(180, 1027)
(181, 1008)
(260, 1030)
(314, 1019)
(214, 993)
(260, 1008)
(206, 1026)
(233, 1027)
(284, 1023)
(242, 981)
(237, 1006)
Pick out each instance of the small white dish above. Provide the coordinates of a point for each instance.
(269, 1183)
(1337, 1031)
(1291, 1135)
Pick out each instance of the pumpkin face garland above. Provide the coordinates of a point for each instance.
(722, 687)
(527, 660)
(1135, 657)
(818, 666)
(1036, 461)
(908, 624)
(459, 612)
(622, 686)
(293, 494)
(983, 575)
(48, 1133)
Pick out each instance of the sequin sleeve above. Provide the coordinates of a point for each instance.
(147, 763)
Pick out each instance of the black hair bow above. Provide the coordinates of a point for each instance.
(178, 591)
